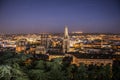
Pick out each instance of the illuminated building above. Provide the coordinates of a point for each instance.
(91, 59)
(40, 50)
(21, 45)
(66, 41)
(44, 40)
(8, 44)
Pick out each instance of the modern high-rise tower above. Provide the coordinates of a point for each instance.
(66, 41)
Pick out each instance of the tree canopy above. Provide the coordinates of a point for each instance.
(13, 67)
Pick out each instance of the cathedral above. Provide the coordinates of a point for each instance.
(66, 41)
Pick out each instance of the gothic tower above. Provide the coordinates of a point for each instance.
(66, 40)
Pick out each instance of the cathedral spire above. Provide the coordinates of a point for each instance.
(66, 32)
(66, 40)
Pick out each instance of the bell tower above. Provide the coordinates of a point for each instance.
(66, 41)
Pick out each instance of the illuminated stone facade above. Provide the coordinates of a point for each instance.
(77, 61)
(66, 41)
(21, 45)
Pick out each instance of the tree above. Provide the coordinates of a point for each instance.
(70, 72)
(81, 73)
(56, 72)
(37, 74)
(94, 72)
(108, 72)
(116, 70)
(5, 73)
(14, 72)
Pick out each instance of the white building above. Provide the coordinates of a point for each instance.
(66, 41)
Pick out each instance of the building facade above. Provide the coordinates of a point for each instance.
(66, 41)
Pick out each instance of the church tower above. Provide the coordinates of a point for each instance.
(66, 41)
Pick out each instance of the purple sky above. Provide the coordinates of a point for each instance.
(23, 16)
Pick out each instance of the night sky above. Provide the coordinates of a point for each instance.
(34, 16)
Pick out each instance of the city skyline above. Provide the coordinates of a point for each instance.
(34, 16)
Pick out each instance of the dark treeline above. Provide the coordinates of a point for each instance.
(20, 67)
